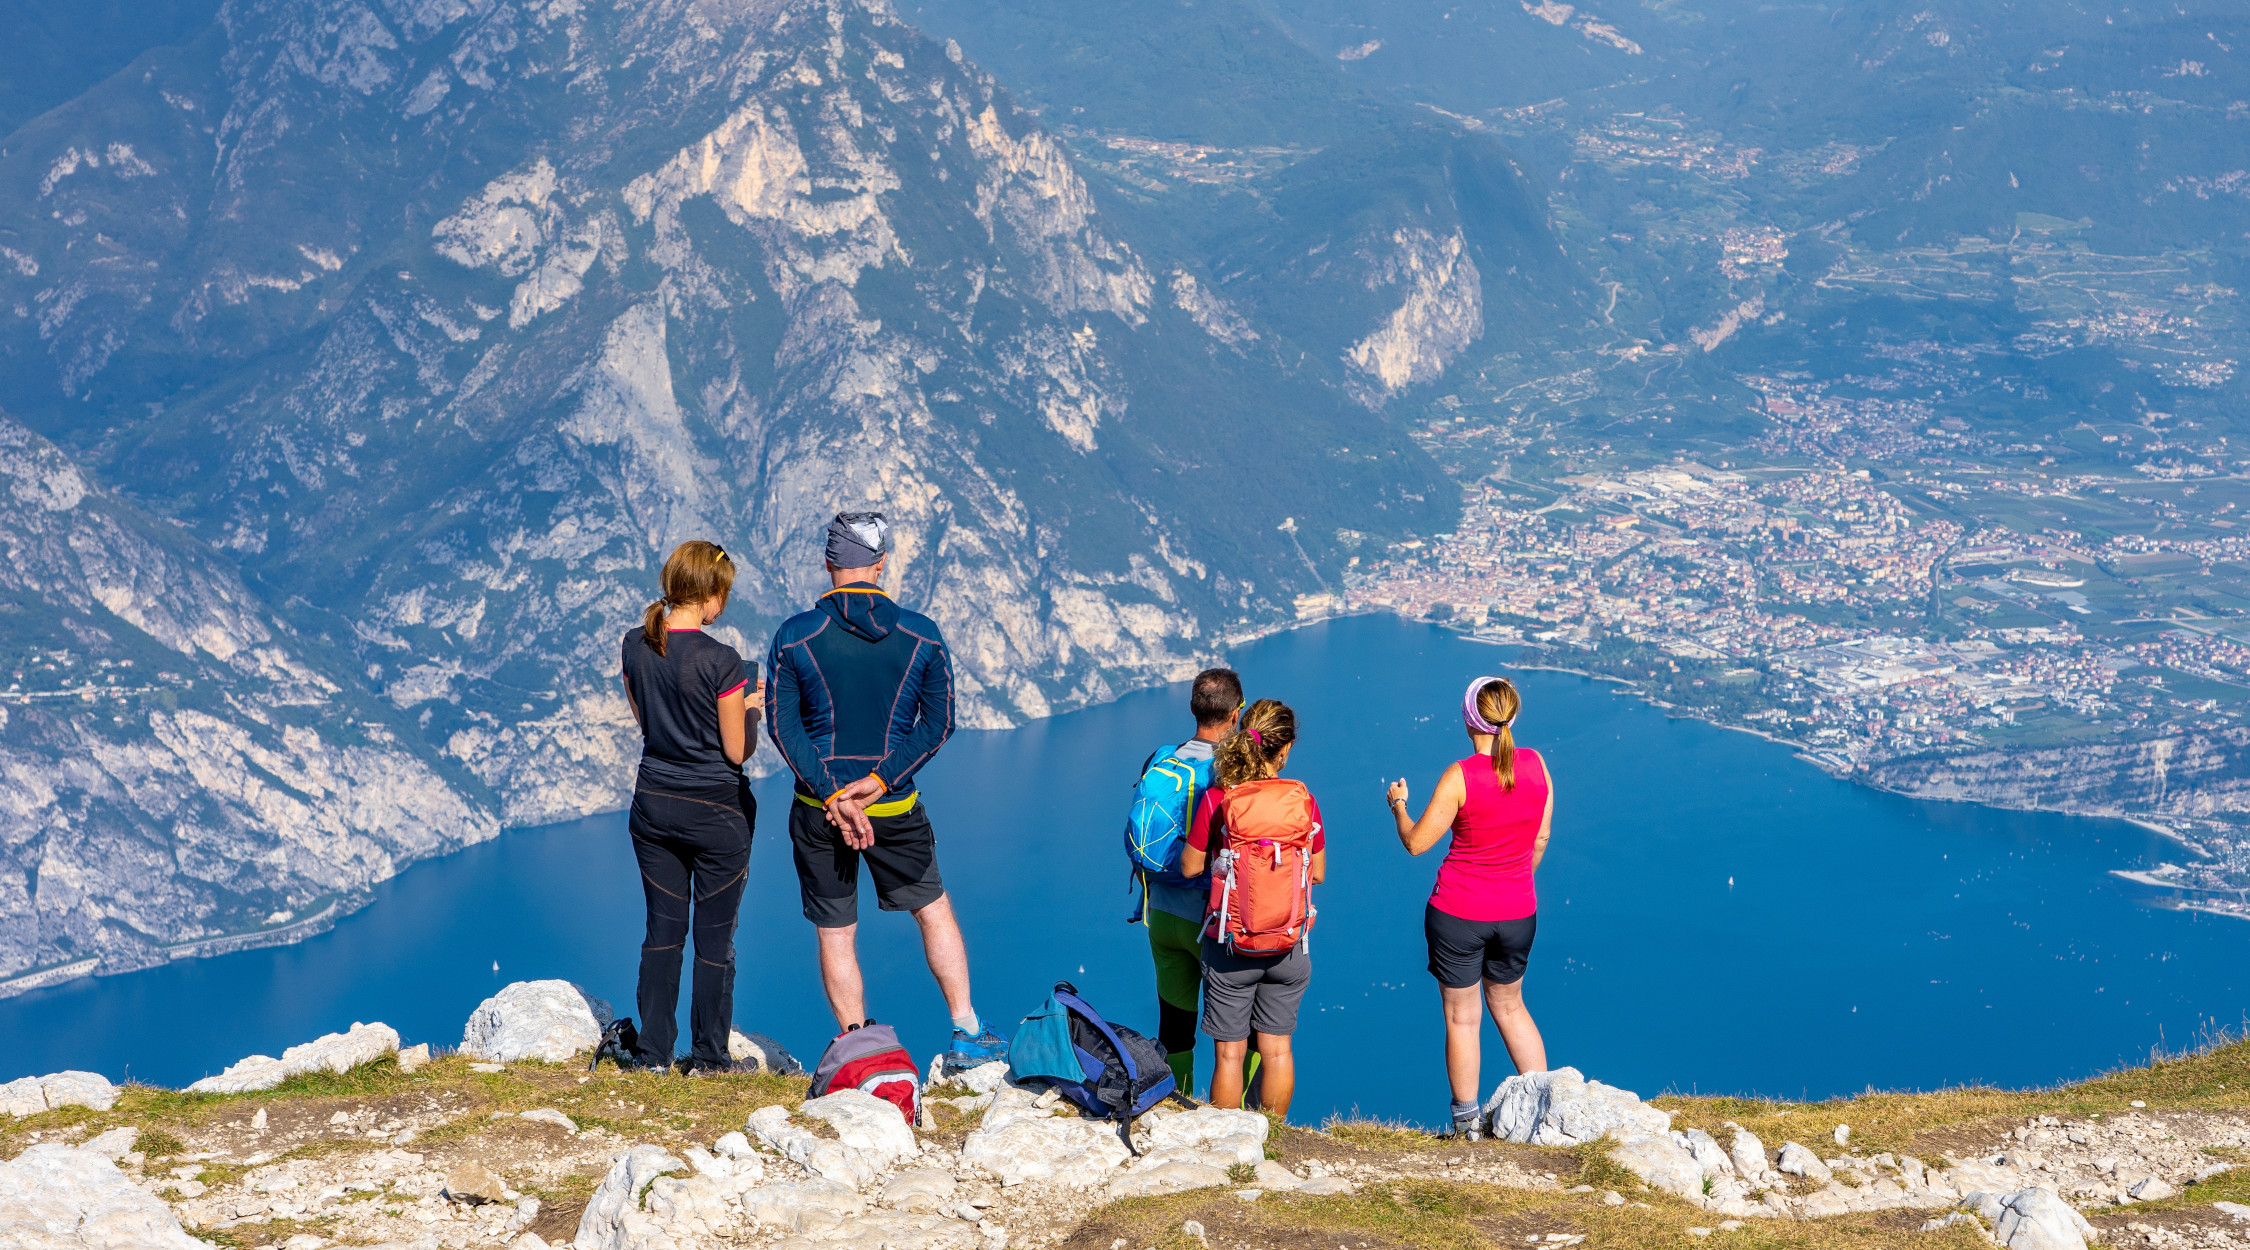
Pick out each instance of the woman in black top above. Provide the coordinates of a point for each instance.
(692, 809)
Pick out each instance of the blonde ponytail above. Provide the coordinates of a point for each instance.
(1248, 754)
(695, 571)
(1498, 703)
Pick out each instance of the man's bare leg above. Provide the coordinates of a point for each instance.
(839, 974)
(1278, 1082)
(1226, 1073)
(943, 946)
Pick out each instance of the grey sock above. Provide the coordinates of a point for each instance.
(1463, 1110)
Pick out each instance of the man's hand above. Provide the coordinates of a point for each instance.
(846, 811)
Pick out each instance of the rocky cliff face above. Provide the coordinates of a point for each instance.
(447, 319)
(2195, 775)
(178, 766)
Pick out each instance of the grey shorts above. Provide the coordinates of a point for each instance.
(1243, 994)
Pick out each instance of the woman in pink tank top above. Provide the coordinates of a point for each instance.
(1499, 805)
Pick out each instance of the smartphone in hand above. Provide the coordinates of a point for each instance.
(750, 673)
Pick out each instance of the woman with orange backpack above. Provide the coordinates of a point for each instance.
(1262, 838)
(1499, 806)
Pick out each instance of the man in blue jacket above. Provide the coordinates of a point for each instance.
(861, 697)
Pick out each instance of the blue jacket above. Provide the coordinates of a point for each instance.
(860, 685)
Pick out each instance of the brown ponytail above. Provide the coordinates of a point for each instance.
(1248, 753)
(1498, 703)
(695, 571)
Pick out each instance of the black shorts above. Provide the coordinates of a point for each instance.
(903, 862)
(1463, 952)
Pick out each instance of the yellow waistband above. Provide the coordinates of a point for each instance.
(889, 807)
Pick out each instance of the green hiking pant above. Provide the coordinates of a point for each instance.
(1175, 943)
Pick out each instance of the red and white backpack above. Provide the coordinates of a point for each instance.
(870, 1058)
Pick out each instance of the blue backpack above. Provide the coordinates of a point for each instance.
(1111, 1071)
(1163, 803)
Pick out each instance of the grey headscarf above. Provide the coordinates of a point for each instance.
(857, 539)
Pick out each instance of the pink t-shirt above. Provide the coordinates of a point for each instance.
(1487, 871)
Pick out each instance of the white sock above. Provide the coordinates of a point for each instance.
(967, 1022)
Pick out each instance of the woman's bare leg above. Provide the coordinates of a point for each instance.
(1525, 1046)
(1464, 1024)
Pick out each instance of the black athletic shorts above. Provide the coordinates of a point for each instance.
(903, 863)
(1463, 952)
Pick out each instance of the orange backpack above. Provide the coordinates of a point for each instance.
(1261, 884)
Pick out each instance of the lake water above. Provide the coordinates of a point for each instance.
(1716, 915)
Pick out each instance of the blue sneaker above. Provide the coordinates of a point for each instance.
(972, 1052)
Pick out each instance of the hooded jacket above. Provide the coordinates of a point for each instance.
(860, 685)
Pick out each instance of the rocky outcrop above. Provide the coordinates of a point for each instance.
(33, 1094)
(547, 1021)
(1562, 1108)
(58, 1197)
(333, 1052)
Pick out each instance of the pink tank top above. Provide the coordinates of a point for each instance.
(1487, 872)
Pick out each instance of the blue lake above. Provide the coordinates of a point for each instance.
(1716, 915)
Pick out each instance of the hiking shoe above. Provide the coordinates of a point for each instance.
(972, 1052)
(1470, 1127)
(717, 1067)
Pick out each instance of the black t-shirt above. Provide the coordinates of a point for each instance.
(677, 696)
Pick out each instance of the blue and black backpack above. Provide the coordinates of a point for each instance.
(1156, 825)
(1109, 1070)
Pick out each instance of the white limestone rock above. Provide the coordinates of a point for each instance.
(1223, 1137)
(22, 1097)
(874, 1127)
(1170, 1177)
(1704, 1149)
(332, 1052)
(614, 1218)
(58, 1197)
(1661, 1163)
(1749, 1154)
(810, 1206)
(548, 1115)
(411, 1059)
(1020, 1140)
(2151, 1189)
(768, 1054)
(823, 1157)
(1562, 1108)
(1323, 1186)
(113, 1145)
(2035, 1219)
(33, 1094)
(1798, 1161)
(984, 1078)
(920, 1189)
(1272, 1175)
(548, 1021)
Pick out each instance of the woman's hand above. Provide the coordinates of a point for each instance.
(755, 700)
(1395, 795)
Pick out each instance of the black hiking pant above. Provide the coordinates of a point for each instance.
(693, 844)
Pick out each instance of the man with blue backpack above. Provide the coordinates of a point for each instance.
(1172, 781)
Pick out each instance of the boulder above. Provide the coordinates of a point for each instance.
(33, 1094)
(1749, 1154)
(1798, 1161)
(58, 1197)
(333, 1052)
(1167, 1178)
(2234, 1210)
(1705, 1151)
(921, 1189)
(474, 1183)
(768, 1054)
(2151, 1189)
(823, 1157)
(548, 1115)
(984, 1078)
(614, 1218)
(874, 1127)
(1562, 1108)
(810, 1206)
(113, 1145)
(1661, 1163)
(1324, 1186)
(1220, 1137)
(548, 1021)
(1020, 1140)
(1272, 1176)
(411, 1058)
(2035, 1219)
